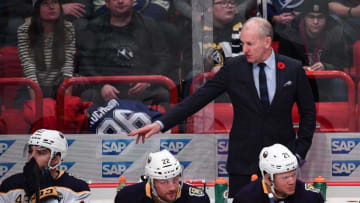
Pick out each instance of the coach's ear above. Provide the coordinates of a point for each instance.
(268, 42)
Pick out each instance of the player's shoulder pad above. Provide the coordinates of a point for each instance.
(194, 191)
(309, 187)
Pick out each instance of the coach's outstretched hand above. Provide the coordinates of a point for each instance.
(145, 132)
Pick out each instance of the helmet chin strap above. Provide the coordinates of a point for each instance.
(274, 192)
(154, 193)
(53, 155)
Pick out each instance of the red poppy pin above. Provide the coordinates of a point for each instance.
(281, 65)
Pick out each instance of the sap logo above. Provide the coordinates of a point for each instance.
(344, 168)
(65, 166)
(185, 164)
(343, 145)
(222, 146)
(173, 145)
(4, 168)
(114, 169)
(70, 142)
(5, 145)
(114, 147)
(222, 172)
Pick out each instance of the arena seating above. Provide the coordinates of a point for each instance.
(111, 79)
(331, 116)
(9, 67)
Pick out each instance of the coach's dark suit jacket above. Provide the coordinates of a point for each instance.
(253, 128)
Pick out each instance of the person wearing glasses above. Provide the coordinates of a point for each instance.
(225, 31)
(318, 40)
(163, 183)
(279, 181)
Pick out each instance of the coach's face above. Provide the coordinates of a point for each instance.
(255, 46)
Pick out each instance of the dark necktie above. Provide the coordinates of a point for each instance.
(264, 96)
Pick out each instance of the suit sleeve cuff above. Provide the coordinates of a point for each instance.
(160, 123)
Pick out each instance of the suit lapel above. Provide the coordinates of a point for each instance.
(280, 77)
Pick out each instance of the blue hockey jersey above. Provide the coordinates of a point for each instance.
(72, 190)
(254, 192)
(141, 193)
(120, 116)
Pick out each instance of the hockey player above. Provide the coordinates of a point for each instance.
(40, 180)
(278, 184)
(164, 184)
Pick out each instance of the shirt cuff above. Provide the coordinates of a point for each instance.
(160, 123)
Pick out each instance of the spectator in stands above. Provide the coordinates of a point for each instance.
(225, 32)
(185, 9)
(316, 39)
(40, 180)
(46, 47)
(349, 13)
(19, 11)
(263, 87)
(283, 12)
(123, 42)
(278, 167)
(280, 13)
(156, 9)
(164, 184)
(79, 12)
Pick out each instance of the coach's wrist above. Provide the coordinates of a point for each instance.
(160, 124)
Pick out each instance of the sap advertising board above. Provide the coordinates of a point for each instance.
(336, 156)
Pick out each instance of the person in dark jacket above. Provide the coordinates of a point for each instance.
(163, 172)
(279, 183)
(316, 39)
(19, 11)
(123, 42)
(262, 109)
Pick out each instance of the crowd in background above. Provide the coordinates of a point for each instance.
(157, 37)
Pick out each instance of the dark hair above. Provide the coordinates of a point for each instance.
(36, 36)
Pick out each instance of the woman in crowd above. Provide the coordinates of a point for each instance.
(46, 47)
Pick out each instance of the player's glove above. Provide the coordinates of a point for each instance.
(32, 174)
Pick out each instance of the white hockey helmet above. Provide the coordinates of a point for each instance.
(162, 165)
(276, 159)
(53, 140)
